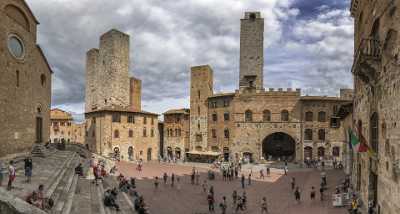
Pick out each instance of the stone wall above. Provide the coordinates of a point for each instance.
(251, 50)
(377, 93)
(92, 72)
(102, 137)
(135, 94)
(176, 132)
(25, 83)
(201, 87)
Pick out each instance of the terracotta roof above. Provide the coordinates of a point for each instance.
(177, 111)
(58, 114)
(222, 95)
(120, 109)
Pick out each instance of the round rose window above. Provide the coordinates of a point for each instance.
(15, 46)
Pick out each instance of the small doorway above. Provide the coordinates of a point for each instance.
(321, 152)
(226, 153)
(308, 150)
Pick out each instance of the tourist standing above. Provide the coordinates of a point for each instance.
(192, 177)
(293, 182)
(297, 194)
(11, 175)
(172, 180)
(28, 168)
(156, 182)
(268, 171)
(242, 181)
(1, 173)
(261, 174)
(223, 205)
(165, 178)
(312, 193)
(285, 169)
(264, 206)
(234, 198)
(210, 199)
(249, 179)
(244, 200)
(321, 192)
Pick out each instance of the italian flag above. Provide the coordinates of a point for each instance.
(356, 144)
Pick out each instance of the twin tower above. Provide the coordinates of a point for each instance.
(108, 84)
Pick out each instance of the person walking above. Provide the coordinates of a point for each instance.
(285, 169)
(210, 199)
(165, 178)
(293, 182)
(297, 194)
(321, 192)
(249, 178)
(11, 175)
(234, 198)
(261, 174)
(223, 205)
(312, 193)
(192, 177)
(264, 206)
(156, 183)
(172, 180)
(244, 200)
(197, 178)
(268, 171)
(242, 181)
(28, 166)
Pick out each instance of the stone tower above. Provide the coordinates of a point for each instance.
(113, 83)
(251, 50)
(135, 94)
(201, 87)
(92, 58)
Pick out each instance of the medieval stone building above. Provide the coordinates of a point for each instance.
(115, 123)
(25, 81)
(176, 137)
(256, 124)
(377, 102)
(64, 129)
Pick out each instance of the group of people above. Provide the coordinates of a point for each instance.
(11, 171)
(297, 192)
(37, 198)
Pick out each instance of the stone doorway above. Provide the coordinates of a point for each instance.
(279, 146)
(149, 154)
(39, 130)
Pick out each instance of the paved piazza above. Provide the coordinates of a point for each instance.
(191, 199)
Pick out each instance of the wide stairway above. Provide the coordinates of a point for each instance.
(71, 193)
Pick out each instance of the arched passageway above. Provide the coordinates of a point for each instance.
(280, 146)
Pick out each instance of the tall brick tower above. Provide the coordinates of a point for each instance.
(92, 69)
(201, 87)
(113, 82)
(251, 50)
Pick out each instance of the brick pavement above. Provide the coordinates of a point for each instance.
(191, 200)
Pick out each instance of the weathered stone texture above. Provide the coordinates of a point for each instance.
(377, 81)
(251, 50)
(200, 89)
(25, 84)
(135, 94)
(176, 133)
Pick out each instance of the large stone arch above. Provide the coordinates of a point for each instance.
(279, 145)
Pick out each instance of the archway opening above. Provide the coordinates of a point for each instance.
(279, 146)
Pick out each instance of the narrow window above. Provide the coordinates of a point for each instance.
(214, 117)
(144, 132)
(226, 116)
(116, 134)
(130, 133)
(226, 133)
(309, 116)
(321, 134)
(248, 116)
(152, 132)
(144, 120)
(285, 115)
(308, 134)
(214, 133)
(17, 78)
(42, 79)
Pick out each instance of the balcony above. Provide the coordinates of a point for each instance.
(367, 59)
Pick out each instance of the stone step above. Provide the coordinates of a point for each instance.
(63, 187)
(83, 199)
(59, 174)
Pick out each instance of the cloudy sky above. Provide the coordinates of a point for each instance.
(308, 44)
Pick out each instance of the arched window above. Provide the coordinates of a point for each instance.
(266, 115)
(116, 133)
(285, 115)
(321, 116)
(226, 133)
(321, 151)
(374, 132)
(130, 133)
(321, 134)
(308, 134)
(309, 116)
(42, 79)
(248, 116)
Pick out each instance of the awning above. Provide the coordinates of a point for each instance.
(209, 153)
